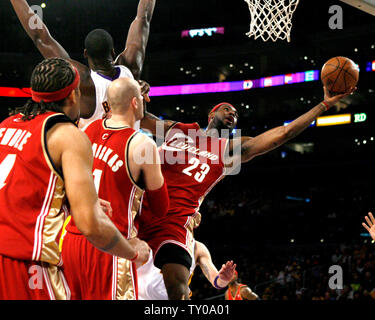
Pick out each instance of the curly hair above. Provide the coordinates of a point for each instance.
(48, 76)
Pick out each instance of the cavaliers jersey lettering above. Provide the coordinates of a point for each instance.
(108, 156)
(192, 164)
(112, 178)
(12, 137)
(32, 193)
(175, 145)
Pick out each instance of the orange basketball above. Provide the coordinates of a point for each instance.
(339, 74)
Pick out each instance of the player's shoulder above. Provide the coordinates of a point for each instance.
(182, 125)
(139, 138)
(93, 126)
(67, 134)
(125, 71)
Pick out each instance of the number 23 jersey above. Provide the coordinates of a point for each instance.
(192, 164)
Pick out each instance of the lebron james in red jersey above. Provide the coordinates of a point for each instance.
(122, 180)
(45, 165)
(203, 158)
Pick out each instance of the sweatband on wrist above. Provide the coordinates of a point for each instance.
(158, 200)
(135, 257)
(325, 104)
(216, 285)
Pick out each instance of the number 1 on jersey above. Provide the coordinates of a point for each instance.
(97, 176)
(6, 167)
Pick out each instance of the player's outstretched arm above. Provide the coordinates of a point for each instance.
(370, 226)
(38, 31)
(271, 139)
(49, 48)
(135, 49)
(248, 294)
(71, 151)
(218, 279)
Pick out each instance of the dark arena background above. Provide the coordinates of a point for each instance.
(290, 214)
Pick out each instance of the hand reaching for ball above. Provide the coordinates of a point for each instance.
(331, 99)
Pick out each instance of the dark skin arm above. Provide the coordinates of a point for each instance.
(50, 48)
(247, 294)
(135, 49)
(271, 139)
(157, 127)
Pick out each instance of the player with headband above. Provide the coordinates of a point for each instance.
(199, 161)
(46, 165)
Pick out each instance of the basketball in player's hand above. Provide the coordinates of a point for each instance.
(339, 74)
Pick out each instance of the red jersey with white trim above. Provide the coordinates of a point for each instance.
(112, 177)
(237, 296)
(192, 164)
(32, 192)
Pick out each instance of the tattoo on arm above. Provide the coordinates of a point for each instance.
(113, 242)
(205, 271)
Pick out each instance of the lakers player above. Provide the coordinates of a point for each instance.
(104, 67)
(150, 279)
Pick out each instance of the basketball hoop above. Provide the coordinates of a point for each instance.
(271, 19)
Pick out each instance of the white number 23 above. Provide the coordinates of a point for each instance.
(199, 175)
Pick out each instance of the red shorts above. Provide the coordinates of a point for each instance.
(30, 280)
(177, 230)
(95, 275)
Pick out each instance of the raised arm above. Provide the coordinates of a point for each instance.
(271, 139)
(71, 150)
(38, 31)
(135, 49)
(49, 48)
(218, 279)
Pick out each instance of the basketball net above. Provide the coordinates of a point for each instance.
(271, 19)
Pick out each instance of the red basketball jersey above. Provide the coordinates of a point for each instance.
(237, 296)
(112, 177)
(32, 192)
(192, 164)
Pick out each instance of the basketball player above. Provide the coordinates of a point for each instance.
(151, 284)
(121, 180)
(239, 291)
(104, 67)
(193, 163)
(45, 161)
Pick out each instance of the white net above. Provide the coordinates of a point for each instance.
(271, 19)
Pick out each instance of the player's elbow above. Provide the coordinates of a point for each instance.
(87, 224)
(287, 132)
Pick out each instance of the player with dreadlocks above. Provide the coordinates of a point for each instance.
(46, 163)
